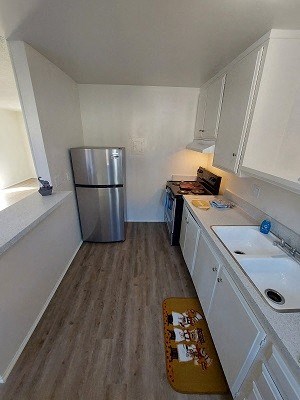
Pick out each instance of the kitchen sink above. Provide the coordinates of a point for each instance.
(274, 274)
(247, 241)
(277, 279)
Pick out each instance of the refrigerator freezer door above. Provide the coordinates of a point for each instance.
(101, 212)
(98, 166)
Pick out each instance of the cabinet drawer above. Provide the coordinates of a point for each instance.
(266, 387)
(288, 386)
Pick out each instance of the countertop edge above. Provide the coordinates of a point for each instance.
(21, 217)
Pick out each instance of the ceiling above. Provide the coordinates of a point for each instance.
(144, 42)
(9, 98)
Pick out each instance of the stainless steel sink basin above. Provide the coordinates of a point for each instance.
(274, 274)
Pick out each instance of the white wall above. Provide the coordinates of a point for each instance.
(164, 116)
(50, 102)
(281, 204)
(16, 162)
(57, 100)
(29, 273)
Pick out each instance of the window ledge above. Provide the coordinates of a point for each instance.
(23, 216)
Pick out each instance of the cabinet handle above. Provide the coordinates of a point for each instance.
(201, 130)
(219, 279)
(214, 269)
(234, 154)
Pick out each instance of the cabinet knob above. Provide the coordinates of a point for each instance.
(219, 279)
(214, 269)
(234, 154)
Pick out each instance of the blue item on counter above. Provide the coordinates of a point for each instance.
(265, 226)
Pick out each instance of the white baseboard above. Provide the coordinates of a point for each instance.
(30, 332)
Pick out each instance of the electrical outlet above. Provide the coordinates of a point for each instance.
(255, 191)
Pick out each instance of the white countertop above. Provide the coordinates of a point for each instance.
(283, 328)
(21, 217)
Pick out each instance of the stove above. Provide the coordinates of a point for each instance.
(187, 187)
(207, 183)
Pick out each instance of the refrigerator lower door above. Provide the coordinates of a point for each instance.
(101, 212)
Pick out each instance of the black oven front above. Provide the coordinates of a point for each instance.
(173, 213)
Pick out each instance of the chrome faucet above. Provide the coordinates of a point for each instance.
(288, 249)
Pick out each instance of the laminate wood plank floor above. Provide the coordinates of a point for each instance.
(101, 337)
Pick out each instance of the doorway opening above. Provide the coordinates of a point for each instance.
(18, 178)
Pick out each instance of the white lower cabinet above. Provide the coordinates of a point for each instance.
(269, 378)
(261, 387)
(183, 227)
(205, 272)
(253, 367)
(189, 237)
(236, 332)
(192, 233)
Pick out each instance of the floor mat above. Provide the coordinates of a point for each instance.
(192, 362)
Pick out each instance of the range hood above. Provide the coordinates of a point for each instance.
(202, 146)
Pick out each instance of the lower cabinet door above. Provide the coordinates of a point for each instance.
(235, 330)
(205, 272)
(183, 228)
(191, 241)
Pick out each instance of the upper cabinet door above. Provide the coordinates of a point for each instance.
(213, 108)
(199, 126)
(239, 91)
(209, 108)
(272, 150)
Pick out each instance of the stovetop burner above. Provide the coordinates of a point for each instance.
(206, 184)
(182, 191)
(198, 191)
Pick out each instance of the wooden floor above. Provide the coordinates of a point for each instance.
(102, 335)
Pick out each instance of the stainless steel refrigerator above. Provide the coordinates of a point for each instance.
(99, 177)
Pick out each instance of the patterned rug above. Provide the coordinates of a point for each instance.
(192, 362)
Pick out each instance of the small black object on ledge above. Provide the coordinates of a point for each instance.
(46, 188)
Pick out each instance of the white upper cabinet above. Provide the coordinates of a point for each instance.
(258, 132)
(272, 150)
(209, 108)
(199, 126)
(238, 97)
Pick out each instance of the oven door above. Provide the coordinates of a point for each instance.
(170, 211)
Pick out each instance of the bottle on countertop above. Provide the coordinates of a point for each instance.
(265, 226)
